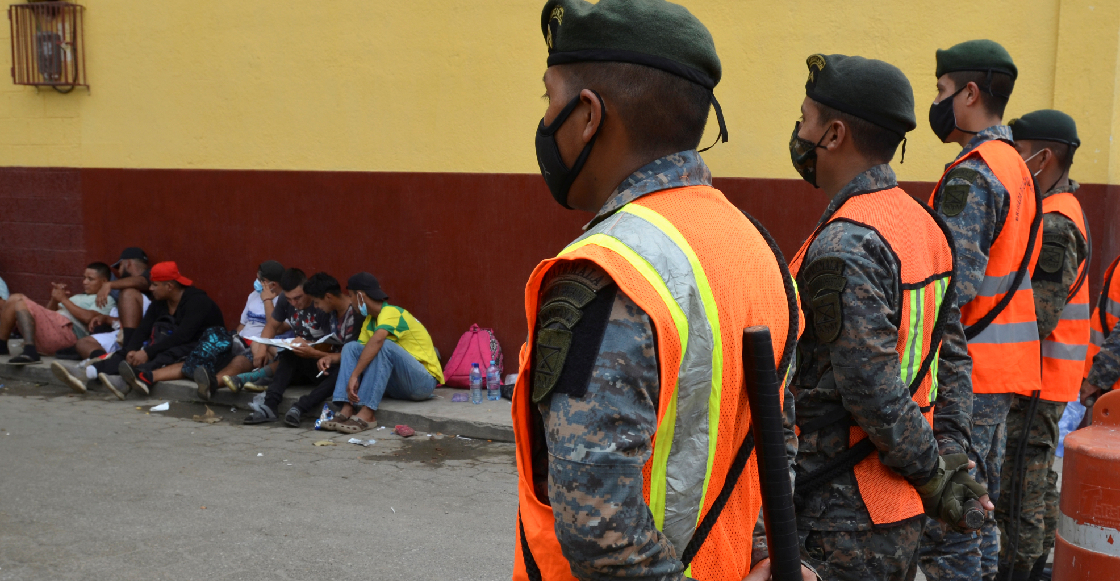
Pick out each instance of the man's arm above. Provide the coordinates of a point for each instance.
(140, 283)
(976, 225)
(1063, 251)
(863, 351)
(195, 312)
(952, 409)
(1106, 364)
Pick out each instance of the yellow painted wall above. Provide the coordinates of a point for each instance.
(441, 85)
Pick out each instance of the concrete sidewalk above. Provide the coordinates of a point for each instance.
(489, 420)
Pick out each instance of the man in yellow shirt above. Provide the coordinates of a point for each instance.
(403, 367)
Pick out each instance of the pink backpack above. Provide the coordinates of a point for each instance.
(475, 346)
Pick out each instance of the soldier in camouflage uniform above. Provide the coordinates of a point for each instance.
(593, 372)
(1047, 141)
(849, 371)
(975, 204)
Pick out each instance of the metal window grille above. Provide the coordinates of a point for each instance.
(47, 48)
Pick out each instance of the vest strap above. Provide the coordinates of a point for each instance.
(532, 570)
(712, 516)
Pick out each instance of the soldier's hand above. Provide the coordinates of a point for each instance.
(1089, 393)
(761, 572)
(947, 495)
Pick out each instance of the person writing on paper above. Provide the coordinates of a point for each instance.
(294, 312)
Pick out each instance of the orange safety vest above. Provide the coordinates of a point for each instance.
(703, 272)
(1001, 328)
(1104, 320)
(920, 240)
(1064, 351)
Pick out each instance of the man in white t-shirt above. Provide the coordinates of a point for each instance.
(259, 305)
(60, 323)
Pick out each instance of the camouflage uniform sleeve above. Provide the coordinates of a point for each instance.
(598, 443)
(952, 412)
(975, 219)
(862, 351)
(1063, 250)
(1106, 364)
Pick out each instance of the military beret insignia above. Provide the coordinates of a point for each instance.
(826, 280)
(555, 19)
(815, 61)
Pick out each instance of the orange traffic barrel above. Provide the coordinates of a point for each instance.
(1088, 541)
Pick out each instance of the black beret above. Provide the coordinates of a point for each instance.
(653, 33)
(1046, 125)
(976, 55)
(872, 90)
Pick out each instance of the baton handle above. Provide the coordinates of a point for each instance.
(764, 393)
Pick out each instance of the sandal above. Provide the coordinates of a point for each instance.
(332, 424)
(354, 425)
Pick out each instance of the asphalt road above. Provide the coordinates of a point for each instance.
(97, 489)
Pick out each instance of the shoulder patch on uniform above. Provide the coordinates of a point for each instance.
(825, 277)
(551, 351)
(954, 196)
(962, 173)
(1051, 257)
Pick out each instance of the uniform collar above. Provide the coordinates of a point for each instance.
(1000, 132)
(677, 170)
(880, 177)
(1071, 188)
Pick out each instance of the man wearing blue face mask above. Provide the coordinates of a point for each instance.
(394, 356)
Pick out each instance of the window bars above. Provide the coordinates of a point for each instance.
(47, 45)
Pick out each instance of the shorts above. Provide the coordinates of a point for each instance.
(108, 341)
(53, 330)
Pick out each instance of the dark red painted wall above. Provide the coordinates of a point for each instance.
(454, 249)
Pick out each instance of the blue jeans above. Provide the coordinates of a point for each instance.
(394, 372)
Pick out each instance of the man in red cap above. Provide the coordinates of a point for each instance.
(169, 332)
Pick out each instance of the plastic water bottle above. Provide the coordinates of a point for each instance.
(493, 382)
(476, 384)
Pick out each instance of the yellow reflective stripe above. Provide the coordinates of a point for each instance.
(708, 298)
(668, 421)
(913, 336)
(938, 296)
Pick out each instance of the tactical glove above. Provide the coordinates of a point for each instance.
(952, 493)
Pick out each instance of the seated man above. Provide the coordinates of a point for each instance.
(404, 367)
(328, 297)
(294, 312)
(91, 348)
(233, 348)
(130, 288)
(168, 333)
(58, 325)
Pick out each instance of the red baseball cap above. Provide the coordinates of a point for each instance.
(165, 271)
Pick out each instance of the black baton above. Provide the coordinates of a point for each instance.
(764, 391)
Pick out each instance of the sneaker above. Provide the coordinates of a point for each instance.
(69, 377)
(206, 385)
(23, 359)
(114, 384)
(232, 382)
(292, 417)
(257, 386)
(133, 379)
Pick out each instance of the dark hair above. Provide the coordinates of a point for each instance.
(322, 284)
(101, 268)
(876, 143)
(292, 279)
(662, 113)
(1063, 151)
(994, 96)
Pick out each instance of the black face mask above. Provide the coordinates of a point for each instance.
(803, 153)
(942, 119)
(557, 175)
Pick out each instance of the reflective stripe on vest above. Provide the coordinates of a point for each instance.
(1005, 353)
(926, 269)
(660, 250)
(1065, 349)
(1103, 320)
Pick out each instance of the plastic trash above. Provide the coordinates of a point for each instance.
(259, 454)
(361, 442)
(404, 431)
(162, 407)
(459, 397)
(325, 443)
(1071, 418)
(325, 416)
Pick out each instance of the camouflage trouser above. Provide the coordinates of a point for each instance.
(886, 554)
(948, 555)
(1038, 514)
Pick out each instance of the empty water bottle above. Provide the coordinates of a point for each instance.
(493, 382)
(476, 384)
